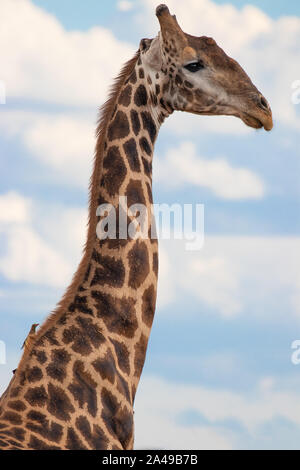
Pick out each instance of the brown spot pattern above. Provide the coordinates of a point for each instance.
(59, 404)
(116, 171)
(138, 259)
(73, 441)
(106, 367)
(135, 193)
(149, 125)
(148, 305)
(122, 355)
(34, 374)
(57, 368)
(145, 146)
(125, 96)
(118, 314)
(42, 426)
(80, 305)
(16, 405)
(140, 96)
(140, 353)
(110, 272)
(83, 388)
(118, 421)
(36, 396)
(96, 438)
(132, 154)
(77, 337)
(12, 417)
(135, 121)
(119, 127)
(40, 355)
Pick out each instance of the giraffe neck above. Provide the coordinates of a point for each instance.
(121, 278)
(89, 355)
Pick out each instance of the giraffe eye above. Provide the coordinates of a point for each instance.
(194, 66)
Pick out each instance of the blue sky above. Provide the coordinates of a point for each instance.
(218, 372)
(78, 15)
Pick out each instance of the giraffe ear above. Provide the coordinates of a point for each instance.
(152, 55)
(145, 44)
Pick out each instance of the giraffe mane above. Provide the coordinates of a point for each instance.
(105, 113)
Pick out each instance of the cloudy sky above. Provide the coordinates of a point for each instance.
(218, 373)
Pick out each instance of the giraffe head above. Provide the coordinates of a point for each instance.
(198, 77)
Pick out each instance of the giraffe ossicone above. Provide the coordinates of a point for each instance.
(75, 385)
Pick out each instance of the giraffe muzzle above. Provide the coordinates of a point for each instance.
(259, 115)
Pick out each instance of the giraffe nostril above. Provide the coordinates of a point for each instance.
(263, 102)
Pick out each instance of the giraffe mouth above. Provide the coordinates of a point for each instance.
(252, 121)
(256, 123)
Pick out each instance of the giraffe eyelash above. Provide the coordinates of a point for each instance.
(195, 66)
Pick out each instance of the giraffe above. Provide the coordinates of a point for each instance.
(75, 385)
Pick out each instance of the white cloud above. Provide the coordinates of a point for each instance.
(224, 365)
(26, 256)
(166, 292)
(65, 228)
(182, 166)
(40, 60)
(63, 142)
(13, 208)
(29, 258)
(159, 410)
(214, 275)
(124, 5)
(296, 297)
(204, 17)
(160, 404)
(211, 278)
(235, 275)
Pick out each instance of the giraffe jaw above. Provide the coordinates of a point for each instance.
(256, 123)
(248, 119)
